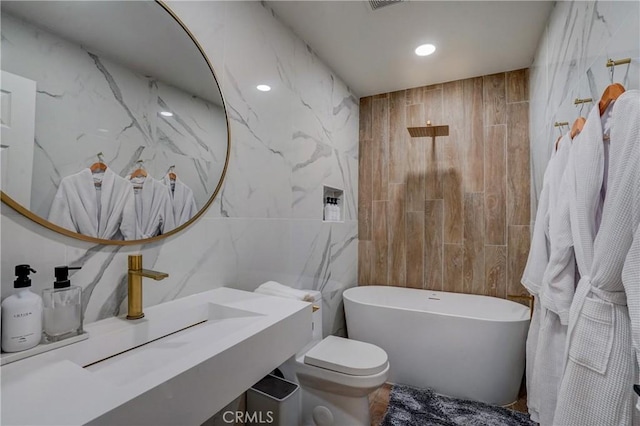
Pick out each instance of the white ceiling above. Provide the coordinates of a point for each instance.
(139, 35)
(372, 51)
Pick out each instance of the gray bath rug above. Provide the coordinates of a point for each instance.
(423, 407)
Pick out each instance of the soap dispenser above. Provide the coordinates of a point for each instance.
(62, 307)
(21, 315)
(327, 210)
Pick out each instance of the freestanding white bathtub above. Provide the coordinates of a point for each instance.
(461, 345)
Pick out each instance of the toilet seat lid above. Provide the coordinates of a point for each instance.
(347, 356)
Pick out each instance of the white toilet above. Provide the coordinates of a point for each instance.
(336, 375)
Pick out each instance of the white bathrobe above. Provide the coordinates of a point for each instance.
(154, 213)
(596, 387)
(106, 212)
(631, 282)
(539, 396)
(182, 201)
(574, 229)
(532, 279)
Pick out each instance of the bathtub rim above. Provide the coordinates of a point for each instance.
(377, 305)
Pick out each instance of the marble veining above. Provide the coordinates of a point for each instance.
(266, 222)
(570, 63)
(86, 104)
(117, 94)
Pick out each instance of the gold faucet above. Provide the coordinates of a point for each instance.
(135, 275)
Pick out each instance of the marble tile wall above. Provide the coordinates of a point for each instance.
(570, 63)
(266, 224)
(452, 214)
(87, 104)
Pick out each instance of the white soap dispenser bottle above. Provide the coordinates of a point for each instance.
(62, 308)
(21, 315)
(327, 210)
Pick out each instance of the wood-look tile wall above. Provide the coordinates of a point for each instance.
(451, 215)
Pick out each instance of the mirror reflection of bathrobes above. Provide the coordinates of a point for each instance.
(106, 210)
(153, 209)
(182, 201)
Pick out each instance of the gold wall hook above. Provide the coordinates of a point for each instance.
(579, 101)
(614, 63)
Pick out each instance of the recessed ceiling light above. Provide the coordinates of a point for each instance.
(263, 87)
(425, 49)
(166, 113)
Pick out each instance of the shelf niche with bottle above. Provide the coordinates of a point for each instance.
(332, 204)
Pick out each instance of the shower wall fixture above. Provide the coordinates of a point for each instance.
(429, 131)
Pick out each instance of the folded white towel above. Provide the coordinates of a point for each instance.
(273, 288)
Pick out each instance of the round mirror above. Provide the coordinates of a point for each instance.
(114, 129)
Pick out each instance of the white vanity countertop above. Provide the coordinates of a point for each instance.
(179, 379)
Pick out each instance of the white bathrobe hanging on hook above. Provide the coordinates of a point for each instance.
(549, 347)
(104, 211)
(182, 200)
(596, 387)
(574, 229)
(154, 213)
(537, 262)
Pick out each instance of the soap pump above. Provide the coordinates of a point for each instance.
(62, 307)
(21, 314)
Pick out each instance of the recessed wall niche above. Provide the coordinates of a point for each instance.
(336, 194)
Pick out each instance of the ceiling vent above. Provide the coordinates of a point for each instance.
(377, 4)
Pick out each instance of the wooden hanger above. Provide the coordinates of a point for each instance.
(172, 175)
(140, 171)
(577, 127)
(610, 94)
(98, 166)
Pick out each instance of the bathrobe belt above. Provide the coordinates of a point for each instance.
(584, 288)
